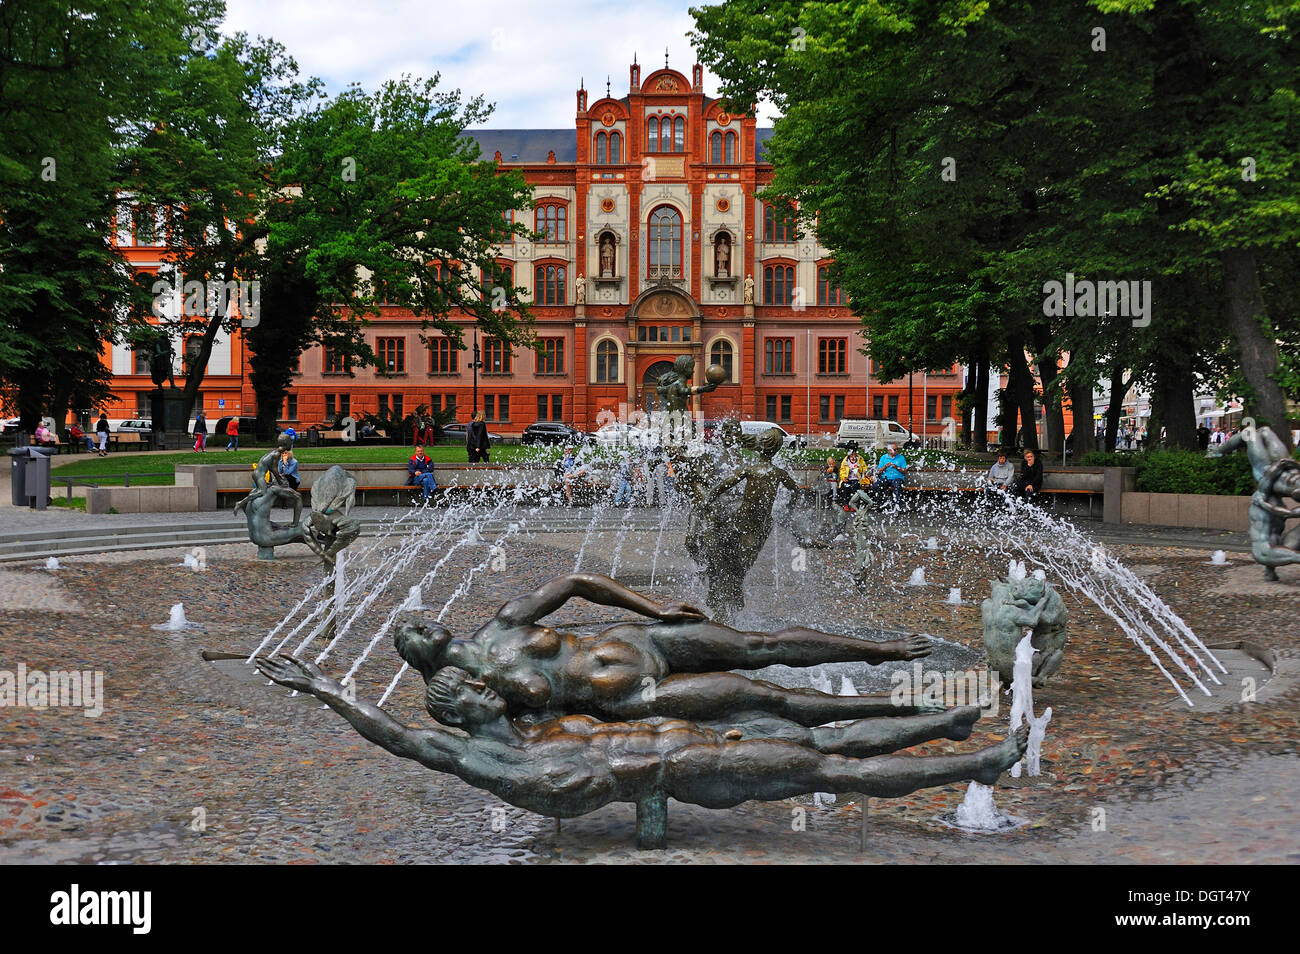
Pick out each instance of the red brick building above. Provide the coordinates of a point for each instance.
(654, 246)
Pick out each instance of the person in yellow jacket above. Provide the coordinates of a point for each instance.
(854, 474)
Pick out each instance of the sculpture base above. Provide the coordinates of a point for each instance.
(266, 553)
(652, 822)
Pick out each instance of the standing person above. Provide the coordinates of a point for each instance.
(200, 432)
(1203, 437)
(476, 439)
(420, 472)
(654, 476)
(232, 431)
(893, 469)
(1030, 479)
(101, 429)
(623, 495)
(831, 475)
(288, 468)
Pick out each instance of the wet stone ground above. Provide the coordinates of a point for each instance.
(192, 761)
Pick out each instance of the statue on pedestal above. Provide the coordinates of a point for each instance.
(1278, 477)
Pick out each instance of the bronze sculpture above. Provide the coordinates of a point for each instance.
(675, 388)
(578, 764)
(1017, 605)
(674, 667)
(1277, 475)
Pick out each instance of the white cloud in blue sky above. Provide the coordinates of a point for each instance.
(526, 58)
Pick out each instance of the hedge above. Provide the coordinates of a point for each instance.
(1181, 472)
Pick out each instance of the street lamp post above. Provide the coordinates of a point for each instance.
(475, 364)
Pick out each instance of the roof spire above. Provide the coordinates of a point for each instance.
(665, 57)
(607, 85)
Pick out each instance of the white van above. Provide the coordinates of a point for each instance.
(873, 434)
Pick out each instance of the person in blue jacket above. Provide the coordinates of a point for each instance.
(420, 471)
(893, 470)
(288, 468)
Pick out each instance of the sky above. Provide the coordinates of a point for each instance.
(526, 58)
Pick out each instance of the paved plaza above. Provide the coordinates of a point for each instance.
(197, 761)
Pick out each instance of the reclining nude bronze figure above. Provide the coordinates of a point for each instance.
(576, 764)
(562, 724)
(675, 666)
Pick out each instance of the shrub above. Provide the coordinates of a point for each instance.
(1190, 472)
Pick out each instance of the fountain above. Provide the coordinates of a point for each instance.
(932, 543)
(52, 564)
(176, 620)
(1219, 558)
(954, 596)
(917, 578)
(1022, 706)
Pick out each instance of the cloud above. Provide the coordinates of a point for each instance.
(526, 58)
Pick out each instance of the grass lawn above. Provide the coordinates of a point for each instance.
(112, 467)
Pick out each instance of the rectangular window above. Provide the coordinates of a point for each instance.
(334, 362)
(383, 405)
(331, 409)
(542, 405)
(877, 407)
(398, 412)
(778, 356)
(345, 404)
(893, 407)
(946, 407)
(557, 407)
(451, 405)
(832, 355)
(291, 407)
(839, 407)
(140, 359)
(490, 407)
(443, 356)
(503, 405)
(392, 354)
(931, 407)
(435, 403)
(144, 404)
(496, 356)
(824, 408)
(551, 360)
(771, 407)
(785, 408)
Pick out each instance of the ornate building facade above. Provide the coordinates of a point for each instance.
(654, 245)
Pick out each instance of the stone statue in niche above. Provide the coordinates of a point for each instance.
(749, 289)
(607, 256)
(722, 256)
(580, 289)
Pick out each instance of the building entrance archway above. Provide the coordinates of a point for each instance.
(648, 398)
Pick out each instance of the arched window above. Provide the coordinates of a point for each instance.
(666, 134)
(652, 134)
(828, 293)
(778, 225)
(731, 139)
(615, 148)
(607, 362)
(778, 284)
(715, 147)
(679, 134)
(549, 285)
(550, 219)
(602, 149)
(665, 243)
(720, 352)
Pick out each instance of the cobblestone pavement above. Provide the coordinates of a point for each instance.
(193, 761)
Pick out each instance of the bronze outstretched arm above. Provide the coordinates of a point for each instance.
(551, 596)
(435, 748)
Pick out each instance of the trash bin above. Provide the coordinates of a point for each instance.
(29, 476)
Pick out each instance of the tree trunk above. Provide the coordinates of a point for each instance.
(1049, 369)
(1256, 346)
(1021, 385)
(1081, 411)
(980, 412)
(1115, 410)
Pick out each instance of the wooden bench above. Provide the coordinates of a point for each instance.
(129, 440)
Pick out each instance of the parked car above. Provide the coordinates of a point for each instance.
(9, 424)
(552, 432)
(872, 434)
(137, 425)
(247, 427)
(755, 428)
(619, 434)
(455, 434)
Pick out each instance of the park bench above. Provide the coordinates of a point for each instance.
(129, 441)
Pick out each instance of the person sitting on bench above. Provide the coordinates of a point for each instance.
(1030, 479)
